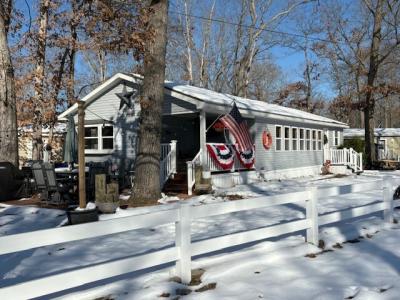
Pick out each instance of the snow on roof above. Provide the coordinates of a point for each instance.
(360, 132)
(58, 128)
(210, 96)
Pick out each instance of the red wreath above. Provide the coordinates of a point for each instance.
(222, 154)
(267, 140)
(246, 158)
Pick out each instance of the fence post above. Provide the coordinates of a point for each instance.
(312, 215)
(388, 199)
(189, 166)
(182, 242)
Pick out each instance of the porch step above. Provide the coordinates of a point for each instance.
(176, 185)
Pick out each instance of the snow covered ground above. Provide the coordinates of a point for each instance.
(278, 269)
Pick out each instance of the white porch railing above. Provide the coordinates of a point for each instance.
(191, 174)
(168, 161)
(184, 248)
(345, 156)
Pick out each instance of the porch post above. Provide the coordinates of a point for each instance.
(81, 154)
(203, 147)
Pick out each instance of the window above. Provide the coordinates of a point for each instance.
(107, 135)
(337, 138)
(302, 136)
(278, 138)
(314, 140)
(287, 138)
(295, 139)
(99, 137)
(91, 138)
(320, 140)
(308, 139)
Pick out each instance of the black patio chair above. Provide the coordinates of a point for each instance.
(54, 191)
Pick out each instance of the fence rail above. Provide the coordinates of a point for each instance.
(184, 249)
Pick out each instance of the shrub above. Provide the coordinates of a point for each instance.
(356, 143)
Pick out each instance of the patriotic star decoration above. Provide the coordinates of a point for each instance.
(126, 98)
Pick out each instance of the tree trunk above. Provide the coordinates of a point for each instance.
(8, 112)
(146, 189)
(71, 69)
(37, 141)
(369, 97)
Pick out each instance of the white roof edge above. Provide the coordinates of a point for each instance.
(93, 94)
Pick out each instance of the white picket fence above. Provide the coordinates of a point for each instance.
(184, 248)
(346, 157)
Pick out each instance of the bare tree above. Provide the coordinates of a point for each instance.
(39, 79)
(146, 188)
(8, 121)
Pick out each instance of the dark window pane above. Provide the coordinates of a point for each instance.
(307, 134)
(278, 145)
(91, 144)
(108, 143)
(294, 133)
(286, 132)
(302, 133)
(107, 131)
(90, 131)
(278, 132)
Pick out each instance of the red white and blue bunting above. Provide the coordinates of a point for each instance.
(246, 158)
(222, 154)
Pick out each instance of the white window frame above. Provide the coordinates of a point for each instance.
(295, 140)
(336, 138)
(278, 140)
(100, 149)
(314, 138)
(308, 146)
(320, 138)
(287, 139)
(302, 139)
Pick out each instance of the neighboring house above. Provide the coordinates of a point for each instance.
(387, 141)
(112, 113)
(25, 142)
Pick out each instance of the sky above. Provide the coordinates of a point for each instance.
(290, 61)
